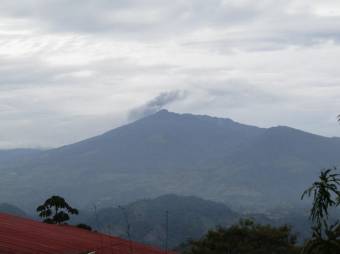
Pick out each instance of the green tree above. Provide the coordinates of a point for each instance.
(56, 210)
(326, 194)
(246, 237)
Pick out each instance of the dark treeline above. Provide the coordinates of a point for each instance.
(246, 237)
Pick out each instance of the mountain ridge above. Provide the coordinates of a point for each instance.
(209, 157)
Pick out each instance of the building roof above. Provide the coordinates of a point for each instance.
(24, 236)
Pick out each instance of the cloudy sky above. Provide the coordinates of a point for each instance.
(70, 69)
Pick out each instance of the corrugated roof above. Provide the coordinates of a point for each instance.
(24, 236)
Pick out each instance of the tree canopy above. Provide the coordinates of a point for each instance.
(55, 210)
(247, 237)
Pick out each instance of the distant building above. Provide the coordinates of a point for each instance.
(24, 236)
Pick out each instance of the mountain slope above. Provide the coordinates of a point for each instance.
(214, 158)
(164, 140)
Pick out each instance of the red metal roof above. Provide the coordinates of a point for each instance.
(24, 236)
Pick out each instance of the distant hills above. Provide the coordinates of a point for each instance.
(188, 218)
(12, 155)
(244, 166)
(11, 209)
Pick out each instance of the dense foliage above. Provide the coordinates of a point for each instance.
(246, 237)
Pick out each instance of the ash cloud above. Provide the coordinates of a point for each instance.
(156, 104)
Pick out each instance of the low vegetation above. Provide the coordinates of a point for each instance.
(246, 237)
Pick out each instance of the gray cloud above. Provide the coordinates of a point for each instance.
(240, 93)
(249, 25)
(33, 71)
(156, 104)
(129, 16)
